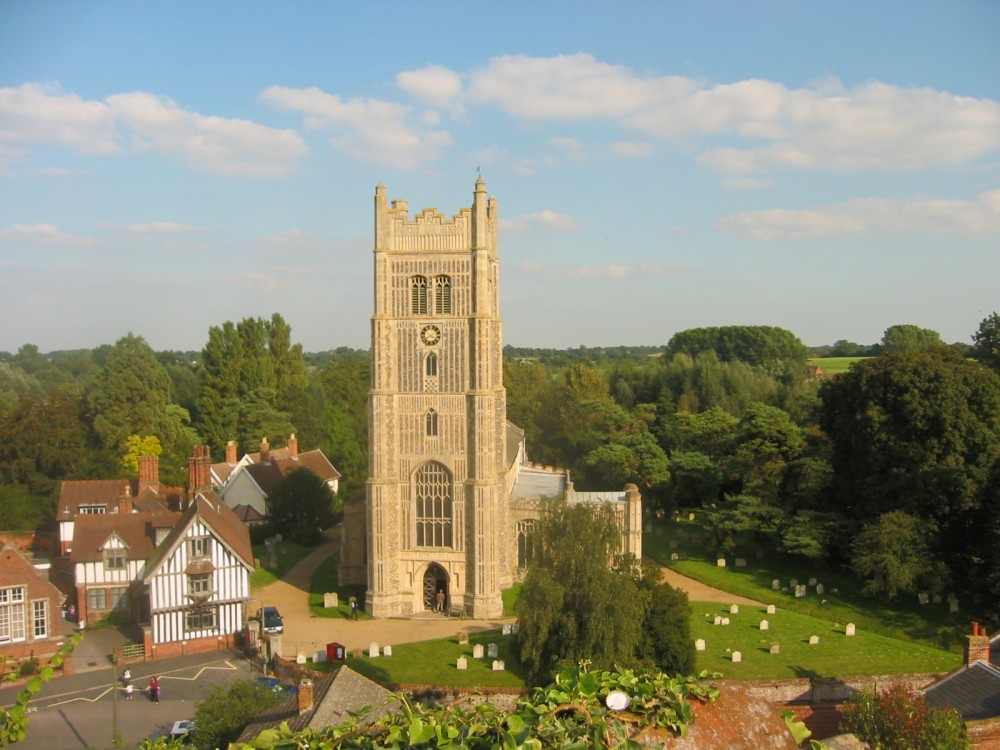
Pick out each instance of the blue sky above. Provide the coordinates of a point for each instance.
(830, 168)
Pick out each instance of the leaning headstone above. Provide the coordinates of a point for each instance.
(820, 589)
(923, 597)
(764, 625)
(491, 651)
(725, 620)
(737, 657)
(734, 609)
(373, 649)
(387, 651)
(463, 639)
(300, 658)
(775, 648)
(721, 562)
(741, 562)
(461, 663)
(849, 630)
(477, 651)
(776, 584)
(771, 609)
(498, 666)
(813, 640)
(812, 581)
(330, 600)
(718, 620)
(699, 645)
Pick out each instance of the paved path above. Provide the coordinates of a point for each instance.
(304, 632)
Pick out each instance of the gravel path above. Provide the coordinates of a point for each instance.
(307, 633)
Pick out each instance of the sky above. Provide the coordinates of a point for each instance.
(828, 168)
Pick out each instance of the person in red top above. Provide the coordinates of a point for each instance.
(154, 689)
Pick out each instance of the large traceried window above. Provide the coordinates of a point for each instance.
(434, 506)
(442, 295)
(418, 295)
(525, 542)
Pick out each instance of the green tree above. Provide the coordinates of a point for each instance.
(694, 480)
(22, 511)
(895, 554)
(909, 338)
(666, 628)
(528, 384)
(302, 505)
(767, 441)
(897, 718)
(766, 346)
(136, 446)
(221, 717)
(634, 457)
(986, 341)
(573, 605)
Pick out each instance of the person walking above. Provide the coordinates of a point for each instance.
(126, 676)
(128, 691)
(154, 689)
(354, 608)
(439, 603)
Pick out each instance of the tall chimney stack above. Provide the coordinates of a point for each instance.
(305, 695)
(293, 446)
(231, 452)
(149, 472)
(125, 500)
(977, 645)
(265, 451)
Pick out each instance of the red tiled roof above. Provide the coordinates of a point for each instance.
(90, 532)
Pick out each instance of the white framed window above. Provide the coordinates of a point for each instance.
(201, 618)
(97, 600)
(40, 618)
(92, 510)
(119, 597)
(12, 614)
(200, 546)
(200, 583)
(114, 559)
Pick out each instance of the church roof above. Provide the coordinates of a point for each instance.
(539, 481)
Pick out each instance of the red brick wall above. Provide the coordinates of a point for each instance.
(16, 571)
(985, 735)
(192, 646)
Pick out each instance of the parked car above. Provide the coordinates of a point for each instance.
(270, 620)
(182, 729)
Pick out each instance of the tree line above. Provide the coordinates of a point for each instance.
(904, 447)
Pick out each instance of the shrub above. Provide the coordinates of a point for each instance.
(899, 719)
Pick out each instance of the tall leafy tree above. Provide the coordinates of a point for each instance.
(894, 554)
(302, 505)
(986, 341)
(909, 338)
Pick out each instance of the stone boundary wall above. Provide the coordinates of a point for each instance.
(985, 735)
(834, 690)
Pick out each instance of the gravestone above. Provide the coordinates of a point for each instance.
(771, 609)
(477, 651)
(721, 562)
(513, 629)
(320, 656)
(741, 562)
(690, 516)
(498, 666)
(387, 651)
(923, 598)
(330, 600)
(936, 599)
(300, 658)
(674, 556)
(463, 639)
(734, 609)
(373, 649)
(699, 645)
(849, 630)
(461, 663)
(951, 598)
(725, 620)
(953, 605)
(800, 591)
(776, 584)
(505, 629)
(718, 620)
(492, 651)
(812, 581)
(820, 589)
(793, 583)
(775, 648)
(684, 556)
(764, 625)
(737, 657)
(813, 640)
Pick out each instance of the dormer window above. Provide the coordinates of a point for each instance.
(114, 559)
(92, 510)
(200, 584)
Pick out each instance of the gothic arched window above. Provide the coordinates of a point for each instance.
(432, 423)
(442, 295)
(431, 365)
(525, 542)
(434, 506)
(418, 295)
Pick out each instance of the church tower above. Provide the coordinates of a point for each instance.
(436, 497)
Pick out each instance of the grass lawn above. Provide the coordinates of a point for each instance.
(836, 655)
(325, 580)
(930, 625)
(433, 663)
(287, 554)
(835, 365)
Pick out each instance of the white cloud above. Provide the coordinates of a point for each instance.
(37, 113)
(42, 234)
(214, 144)
(155, 228)
(746, 183)
(613, 271)
(434, 84)
(979, 217)
(632, 149)
(367, 129)
(550, 219)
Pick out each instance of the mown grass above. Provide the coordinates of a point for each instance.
(931, 625)
(835, 365)
(286, 554)
(325, 580)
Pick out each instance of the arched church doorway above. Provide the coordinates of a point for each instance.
(435, 580)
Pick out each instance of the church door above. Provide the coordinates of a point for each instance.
(435, 580)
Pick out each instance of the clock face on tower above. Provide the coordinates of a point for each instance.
(430, 335)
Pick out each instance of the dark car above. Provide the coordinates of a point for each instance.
(270, 620)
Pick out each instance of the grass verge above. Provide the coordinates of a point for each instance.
(286, 555)
(325, 580)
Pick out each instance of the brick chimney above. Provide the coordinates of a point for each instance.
(231, 452)
(977, 645)
(305, 695)
(265, 451)
(125, 500)
(293, 446)
(199, 470)
(149, 472)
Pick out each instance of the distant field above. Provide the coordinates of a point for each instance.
(835, 365)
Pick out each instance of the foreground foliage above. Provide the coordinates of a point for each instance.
(569, 713)
(899, 719)
(222, 715)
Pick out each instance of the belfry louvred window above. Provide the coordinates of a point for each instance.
(418, 295)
